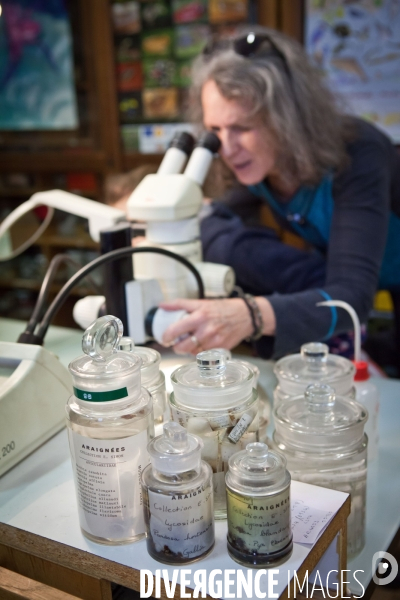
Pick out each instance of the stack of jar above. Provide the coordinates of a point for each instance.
(216, 417)
(215, 399)
(111, 435)
(314, 364)
(319, 427)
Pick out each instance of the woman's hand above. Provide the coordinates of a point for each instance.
(209, 324)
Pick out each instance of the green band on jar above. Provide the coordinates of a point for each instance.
(101, 396)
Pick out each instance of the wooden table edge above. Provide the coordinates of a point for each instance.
(86, 562)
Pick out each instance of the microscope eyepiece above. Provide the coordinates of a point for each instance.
(209, 141)
(180, 148)
(183, 141)
(201, 157)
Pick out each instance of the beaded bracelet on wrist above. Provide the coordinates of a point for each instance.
(256, 317)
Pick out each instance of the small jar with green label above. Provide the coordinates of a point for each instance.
(110, 422)
(258, 507)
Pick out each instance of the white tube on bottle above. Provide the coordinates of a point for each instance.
(366, 392)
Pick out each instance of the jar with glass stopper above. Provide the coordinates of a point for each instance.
(110, 422)
(215, 399)
(314, 364)
(258, 507)
(178, 498)
(322, 437)
(264, 401)
(152, 377)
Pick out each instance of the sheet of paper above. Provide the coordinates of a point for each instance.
(308, 522)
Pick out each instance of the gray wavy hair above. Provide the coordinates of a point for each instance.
(291, 98)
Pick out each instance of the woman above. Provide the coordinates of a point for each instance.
(332, 179)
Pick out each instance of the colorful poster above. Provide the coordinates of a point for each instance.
(357, 44)
(36, 66)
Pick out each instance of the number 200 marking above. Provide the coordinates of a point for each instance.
(7, 449)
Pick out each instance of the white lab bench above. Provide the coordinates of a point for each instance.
(39, 529)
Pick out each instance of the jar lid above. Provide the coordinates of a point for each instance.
(320, 420)
(151, 360)
(252, 367)
(257, 467)
(212, 382)
(314, 364)
(102, 365)
(175, 451)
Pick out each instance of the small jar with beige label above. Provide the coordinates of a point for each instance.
(110, 422)
(178, 498)
(258, 505)
(215, 399)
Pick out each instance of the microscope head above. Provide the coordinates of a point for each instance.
(170, 195)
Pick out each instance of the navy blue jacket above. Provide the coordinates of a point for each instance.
(364, 194)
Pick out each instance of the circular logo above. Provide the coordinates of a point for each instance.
(384, 568)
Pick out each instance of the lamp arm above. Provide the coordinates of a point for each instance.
(100, 216)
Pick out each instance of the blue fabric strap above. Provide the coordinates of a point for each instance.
(331, 331)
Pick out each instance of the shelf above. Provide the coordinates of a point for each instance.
(34, 286)
(131, 160)
(18, 192)
(80, 238)
(53, 162)
(81, 241)
(28, 192)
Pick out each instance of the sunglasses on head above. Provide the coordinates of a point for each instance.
(250, 46)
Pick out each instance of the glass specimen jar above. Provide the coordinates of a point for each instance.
(152, 377)
(215, 399)
(110, 422)
(264, 404)
(258, 507)
(314, 364)
(322, 437)
(178, 498)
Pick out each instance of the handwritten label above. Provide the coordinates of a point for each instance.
(308, 522)
(221, 421)
(182, 524)
(240, 428)
(259, 524)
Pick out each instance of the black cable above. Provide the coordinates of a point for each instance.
(55, 262)
(101, 260)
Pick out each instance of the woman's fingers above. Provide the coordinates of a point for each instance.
(181, 304)
(185, 326)
(189, 345)
(213, 323)
(204, 337)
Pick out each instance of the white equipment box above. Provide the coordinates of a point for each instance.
(34, 388)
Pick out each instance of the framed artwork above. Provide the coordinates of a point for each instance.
(357, 45)
(37, 90)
